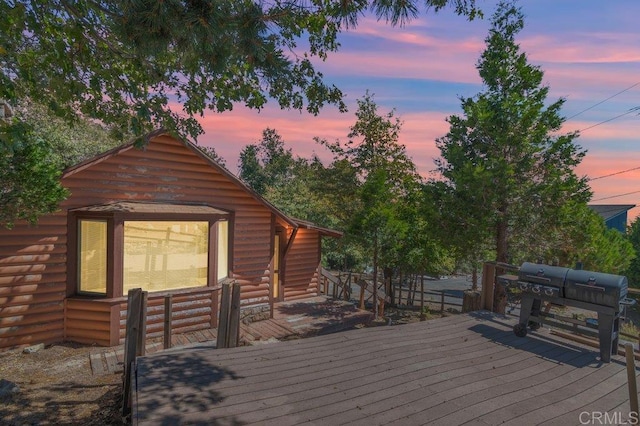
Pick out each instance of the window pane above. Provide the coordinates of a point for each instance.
(223, 249)
(92, 256)
(161, 255)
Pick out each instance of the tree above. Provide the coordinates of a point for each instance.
(70, 143)
(211, 153)
(633, 270)
(29, 179)
(582, 236)
(136, 66)
(35, 147)
(385, 178)
(266, 164)
(506, 173)
(124, 62)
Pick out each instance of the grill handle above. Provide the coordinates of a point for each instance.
(538, 278)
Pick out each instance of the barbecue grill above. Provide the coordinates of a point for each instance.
(606, 294)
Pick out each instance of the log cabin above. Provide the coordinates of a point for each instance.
(165, 218)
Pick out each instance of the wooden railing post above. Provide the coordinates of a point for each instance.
(421, 294)
(142, 332)
(223, 324)
(134, 303)
(488, 280)
(214, 308)
(631, 379)
(234, 318)
(168, 308)
(442, 301)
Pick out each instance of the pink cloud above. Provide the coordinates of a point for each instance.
(584, 48)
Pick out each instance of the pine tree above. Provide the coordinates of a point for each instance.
(506, 172)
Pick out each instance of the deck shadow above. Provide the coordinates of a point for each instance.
(543, 346)
(179, 384)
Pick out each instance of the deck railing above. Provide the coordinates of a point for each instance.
(409, 292)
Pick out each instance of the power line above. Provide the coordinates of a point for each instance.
(614, 174)
(616, 196)
(603, 101)
(611, 119)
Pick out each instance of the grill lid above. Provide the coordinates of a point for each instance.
(543, 274)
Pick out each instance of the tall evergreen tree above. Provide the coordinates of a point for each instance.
(506, 172)
(386, 178)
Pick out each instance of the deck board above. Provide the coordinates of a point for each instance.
(463, 369)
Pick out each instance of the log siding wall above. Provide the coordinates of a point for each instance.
(301, 266)
(33, 259)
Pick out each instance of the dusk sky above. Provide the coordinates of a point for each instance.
(589, 51)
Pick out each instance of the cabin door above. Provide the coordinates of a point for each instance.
(276, 289)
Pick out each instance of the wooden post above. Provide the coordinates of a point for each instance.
(400, 289)
(363, 285)
(422, 294)
(442, 301)
(381, 308)
(142, 332)
(631, 379)
(214, 308)
(134, 299)
(223, 324)
(488, 280)
(234, 317)
(168, 308)
(470, 301)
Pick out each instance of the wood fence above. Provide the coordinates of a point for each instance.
(405, 292)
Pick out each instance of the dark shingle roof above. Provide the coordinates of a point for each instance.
(607, 211)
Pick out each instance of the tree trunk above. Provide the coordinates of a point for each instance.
(502, 256)
(502, 246)
(375, 278)
(474, 278)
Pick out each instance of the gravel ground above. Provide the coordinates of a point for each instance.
(55, 386)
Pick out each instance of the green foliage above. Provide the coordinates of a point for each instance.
(36, 146)
(507, 175)
(70, 143)
(125, 62)
(29, 184)
(378, 187)
(633, 237)
(211, 153)
(267, 164)
(582, 236)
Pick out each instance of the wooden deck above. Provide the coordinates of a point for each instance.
(291, 320)
(463, 369)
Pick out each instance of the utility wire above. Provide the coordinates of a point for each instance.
(614, 174)
(603, 101)
(611, 119)
(616, 196)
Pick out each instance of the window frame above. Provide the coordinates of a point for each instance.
(115, 246)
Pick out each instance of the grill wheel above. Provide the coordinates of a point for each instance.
(520, 330)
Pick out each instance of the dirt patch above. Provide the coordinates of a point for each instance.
(55, 385)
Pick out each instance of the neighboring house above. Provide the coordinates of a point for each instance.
(165, 218)
(614, 215)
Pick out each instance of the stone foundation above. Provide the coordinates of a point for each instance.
(255, 313)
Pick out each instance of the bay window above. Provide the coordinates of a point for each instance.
(155, 247)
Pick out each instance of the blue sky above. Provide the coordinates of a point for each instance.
(588, 49)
